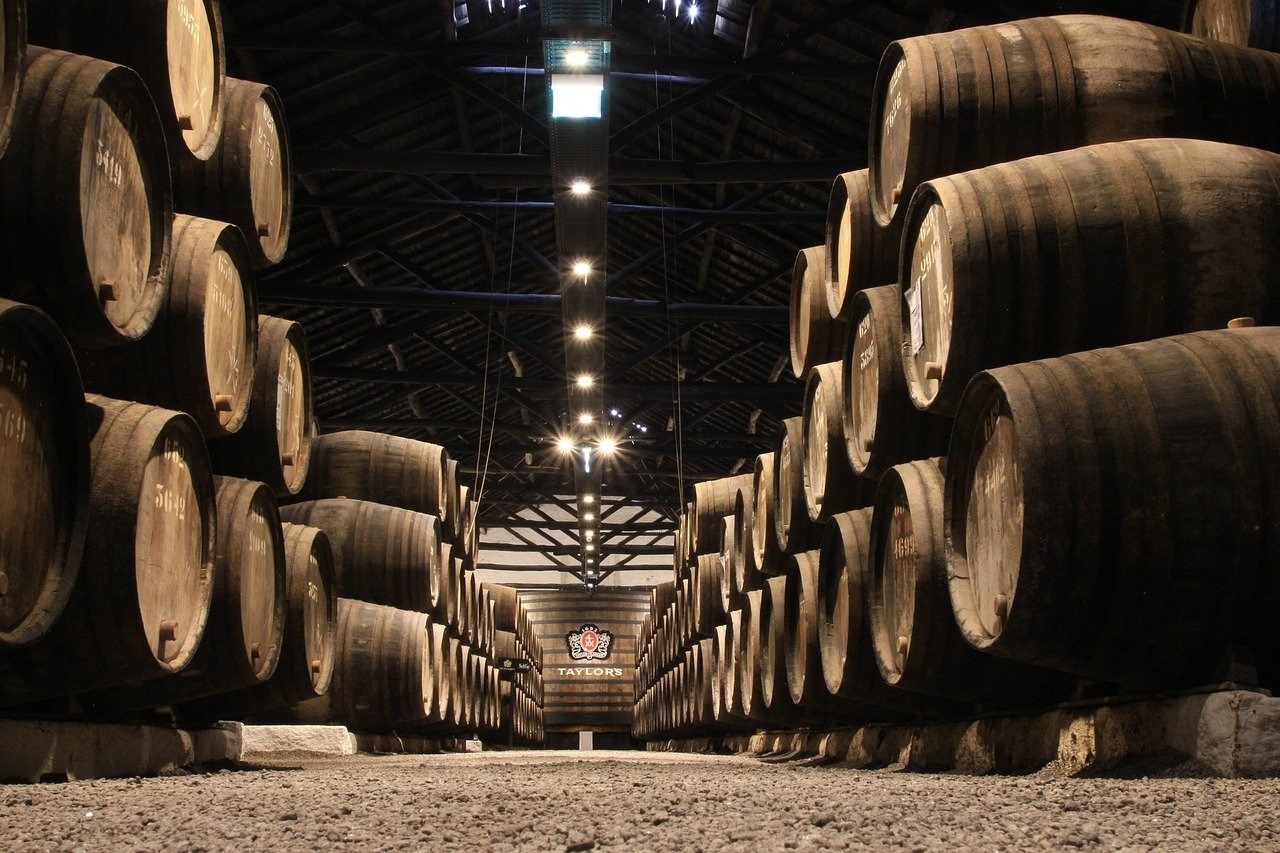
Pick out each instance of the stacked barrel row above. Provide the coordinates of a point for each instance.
(1036, 458)
(144, 563)
(419, 628)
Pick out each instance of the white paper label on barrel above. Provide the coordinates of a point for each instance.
(281, 385)
(914, 320)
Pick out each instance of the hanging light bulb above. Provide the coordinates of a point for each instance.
(583, 332)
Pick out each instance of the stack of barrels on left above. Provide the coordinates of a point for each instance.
(151, 419)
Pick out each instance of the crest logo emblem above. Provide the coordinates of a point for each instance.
(589, 643)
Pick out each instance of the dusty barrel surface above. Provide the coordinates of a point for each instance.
(830, 486)
(386, 469)
(815, 335)
(200, 353)
(382, 554)
(242, 639)
(844, 643)
(800, 636)
(175, 45)
(89, 241)
(149, 585)
(44, 473)
(247, 180)
(274, 444)
(309, 639)
(913, 633)
(1136, 557)
(950, 102)
(881, 425)
(794, 531)
(860, 254)
(382, 678)
(746, 574)
(1248, 23)
(764, 533)
(1100, 246)
(13, 51)
(712, 501)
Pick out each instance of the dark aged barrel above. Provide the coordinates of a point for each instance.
(89, 240)
(374, 466)
(274, 445)
(1248, 23)
(746, 573)
(441, 683)
(176, 45)
(199, 355)
(881, 425)
(705, 610)
(1137, 556)
(305, 667)
(504, 608)
(13, 50)
(747, 670)
(769, 625)
(149, 582)
(815, 334)
(917, 644)
(794, 530)
(950, 102)
(727, 558)
(382, 554)
(830, 486)
(799, 638)
(764, 532)
(382, 678)
(860, 253)
(248, 178)
(1101, 246)
(245, 629)
(712, 501)
(44, 473)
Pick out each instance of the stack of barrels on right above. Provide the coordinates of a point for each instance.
(1039, 454)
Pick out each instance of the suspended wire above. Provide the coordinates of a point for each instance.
(484, 450)
(677, 401)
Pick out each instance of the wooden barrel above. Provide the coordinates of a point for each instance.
(244, 632)
(305, 668)
(274, 445)
(457, 653)
(150, 581)
(1138, 556)
(441, 683)
(13, 51)
(769, 626)
(815, 334)
(746, 574)
(881, 425)
(44, 473)
(382, 554)
(1247, 23)
(746, 674)
(248, 178)
(382, 678)
(387, 469)
(949, 102)
(705, 611)
(860, 254)
(794, 530)
(1095, 247)
(764, 532)
(89, 240)
(802, 651)
(916, 641)
(199, 355)
(176, 45)
(727, 558)
(712, 501)
(504, 612)
(830, 486)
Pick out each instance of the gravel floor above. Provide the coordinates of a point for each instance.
(614, 800)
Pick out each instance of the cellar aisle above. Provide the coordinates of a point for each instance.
(617, 800)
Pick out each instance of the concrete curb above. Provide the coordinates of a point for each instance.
(1233, 734)
(262, 741)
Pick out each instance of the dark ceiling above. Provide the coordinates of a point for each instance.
(423, 261)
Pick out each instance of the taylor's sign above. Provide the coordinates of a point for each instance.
(590, 671)
(588, 643)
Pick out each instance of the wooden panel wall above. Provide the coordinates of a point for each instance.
(587, 695)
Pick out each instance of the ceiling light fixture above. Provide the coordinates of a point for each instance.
(581, 186)
(585, 380)
(693, 12)
(607, 445)
(564, 445)
(587, 499)
(583, 332)
(576, 58)
(586, 418)
(576, 95)
(582, 268)
(588, 516)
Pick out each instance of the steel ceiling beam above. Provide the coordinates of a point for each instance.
(421, 299)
